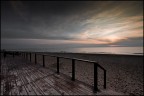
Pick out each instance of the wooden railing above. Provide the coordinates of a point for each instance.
(95, 66)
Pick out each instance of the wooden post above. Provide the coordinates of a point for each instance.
(58, 65)
(73, 69)
(30, 56)
(26, 55)
(13, 54)
(95, 78)
(35, 59)
(104, 79)
(43, 61)
(4, 54)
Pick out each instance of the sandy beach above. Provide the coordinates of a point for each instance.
(124, 72)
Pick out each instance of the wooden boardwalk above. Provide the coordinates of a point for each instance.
(20, 77)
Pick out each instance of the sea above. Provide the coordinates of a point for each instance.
(91, 50)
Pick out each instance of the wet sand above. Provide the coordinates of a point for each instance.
(124, 72)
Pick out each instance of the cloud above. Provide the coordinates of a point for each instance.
(87, 22)
(131, 42)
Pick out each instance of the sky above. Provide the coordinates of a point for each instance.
(71, 24)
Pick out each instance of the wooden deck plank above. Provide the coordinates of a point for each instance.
(61, 86)
(58, 88)
(35, 79)
(51, 83)
(26, 82)
(71, 85)
(22, 87)
(31, 82)
(14, 90)
(77, 87)
(44, 72)
(30, 76)
(6, 88)
(38, 78)
(43, 76)
(2, 87)
(2, 77)
(18, 83)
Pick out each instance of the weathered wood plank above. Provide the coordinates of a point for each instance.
(18, 83)
(34, 78)
(22, 87)
(27, 84)
(48, 75)
(43, 76)
(60, 87)
(64, 85)
(14, 90)
(50, 81)
(33, 85)
(2, 87)
(40, 78)
(77, 86)
(63, 82)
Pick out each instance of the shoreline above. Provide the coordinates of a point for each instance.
(92, 53)
(95, 53)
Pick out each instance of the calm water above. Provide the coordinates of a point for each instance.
(101, 50)
(113, 50)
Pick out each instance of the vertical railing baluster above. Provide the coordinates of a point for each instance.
(95, 77)
(26, 55)
(35, 58)
(43, 60)
(13, 54)
(58, 65)
(73, 69)
(104, 79)
(30, 56)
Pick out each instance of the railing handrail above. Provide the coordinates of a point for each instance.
(90, 61)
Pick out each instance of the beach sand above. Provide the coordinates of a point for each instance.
(124, 72)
